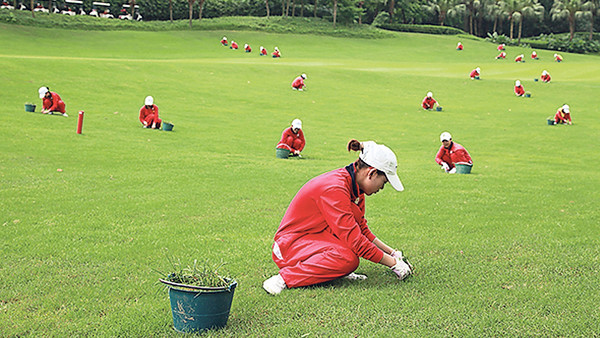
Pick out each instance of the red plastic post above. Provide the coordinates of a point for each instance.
(80, 122)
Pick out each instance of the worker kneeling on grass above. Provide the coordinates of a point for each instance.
(563, 115)
(429, 102)
(51, 102)
(451, 153)
(149, 114)
(298, 83)
(519, 90)
(292, 139)
(324, 231)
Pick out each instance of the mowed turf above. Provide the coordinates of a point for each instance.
(512, 249)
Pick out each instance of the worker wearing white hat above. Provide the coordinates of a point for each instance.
(520, 58)
(292, 138)
(247, 48)
(429, 102)
(262, 51)
(558, 57)
(324, 231)
(149, 114)
(224, 41)
(51, 102)
(298, 83)
(519, 90)
(276, 53)
(534, 55)
(563, 115)
(451, 153)
(475, 74)
(545, 76)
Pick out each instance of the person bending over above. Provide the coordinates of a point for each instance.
(324, 231)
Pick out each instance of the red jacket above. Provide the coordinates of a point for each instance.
(263, 51)
(330, 203)
(223, 42)
(500, 47)
(248, 49)
(561, 116)
(144, 112)
(428, 102)
(474, 73)
(293, 141)
(456, 154)
(459, 47)
(519, 91)
(518, 59)
(545, 78)
(502, 55)
(558, 58)
(533, 55)
(276, 54)
(298, 82)
(234, 45)
(55, 103)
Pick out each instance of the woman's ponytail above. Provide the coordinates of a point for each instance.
(354, 145)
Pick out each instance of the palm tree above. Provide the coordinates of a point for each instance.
(532, 9)
(495, 12)
(592, 6)
(267, 4)
(439, 8)
(567, 9)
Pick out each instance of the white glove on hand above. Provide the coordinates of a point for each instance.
(445, 166)
(397, 254)
(401, 269)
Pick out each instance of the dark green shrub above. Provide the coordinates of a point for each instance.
(427, 29)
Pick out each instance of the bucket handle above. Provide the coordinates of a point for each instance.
(207, 288)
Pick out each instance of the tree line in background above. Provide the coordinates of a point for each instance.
(514, 18)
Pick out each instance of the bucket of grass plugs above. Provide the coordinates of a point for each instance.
(438, 108)
(200, 299)
(167, 126)
(463, 168)
(30, 107)
(282, 153)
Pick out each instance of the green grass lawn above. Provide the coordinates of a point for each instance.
(510, 250)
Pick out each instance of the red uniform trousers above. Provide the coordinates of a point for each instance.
(151, 118)
(291, 143)
(316, 258)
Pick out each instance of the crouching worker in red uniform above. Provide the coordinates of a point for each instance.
(545, 76)
(324, 231)
(563, 115)
(149, 114)
(292, 139)
(298, 83)
(51, 102)
(519, 90)
(429, 102)
(451, 153)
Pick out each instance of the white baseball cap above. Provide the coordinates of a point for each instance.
(555, 55)
(382, 158)
(544, 73)
(276, 48)
(149, 101)
(224, 38)
(43, 91)
(297, 124)
(565, 108)
(477, 69)
(429, 94)
(261, 47)
(246, 45)
(445, 136)
(517, 83)
(303, 76)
